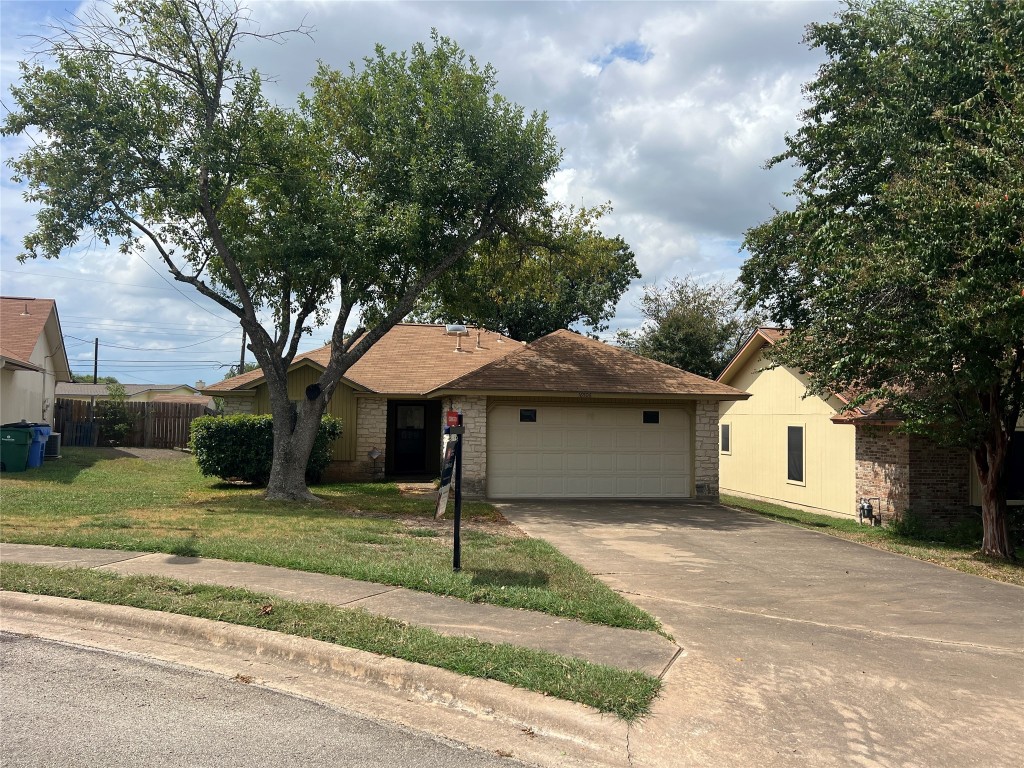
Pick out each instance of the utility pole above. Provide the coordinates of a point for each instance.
(95, 360)
(241, 357)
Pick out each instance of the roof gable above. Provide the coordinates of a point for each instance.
(564, 361)
(23, 321)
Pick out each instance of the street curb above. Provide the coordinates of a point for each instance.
(483, 713)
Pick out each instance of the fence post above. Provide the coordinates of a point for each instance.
(147, 430)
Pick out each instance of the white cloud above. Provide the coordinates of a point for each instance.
(667, 109)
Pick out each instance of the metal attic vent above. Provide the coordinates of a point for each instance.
(456, 329)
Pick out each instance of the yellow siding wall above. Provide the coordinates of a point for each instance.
(756, 465)
(342, 406)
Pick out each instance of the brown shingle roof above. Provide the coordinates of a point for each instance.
(21, 322)
(564, 361)
(411, 359)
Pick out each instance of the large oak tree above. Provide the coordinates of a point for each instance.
(149, 132)
(900, 268)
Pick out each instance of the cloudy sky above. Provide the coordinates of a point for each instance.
(666, 109)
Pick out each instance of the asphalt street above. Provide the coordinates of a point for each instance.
(68, 706)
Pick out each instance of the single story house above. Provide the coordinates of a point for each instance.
(32, 359)
(562, 417)
(814, 453)
(135, 393)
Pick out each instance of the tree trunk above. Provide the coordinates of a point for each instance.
(295, 431)
(991, 460)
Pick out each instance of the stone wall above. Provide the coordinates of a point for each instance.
(236, 405)
(474, 450)
(705, 450)
(911, 473)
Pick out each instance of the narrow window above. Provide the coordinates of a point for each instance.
(726, 444)
(795, 454)
(528, 415)
(652, 417)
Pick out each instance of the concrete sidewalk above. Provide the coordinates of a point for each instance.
(622, 648)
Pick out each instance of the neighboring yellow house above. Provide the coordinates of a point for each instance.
(803, 451)
(779, 445)
(32, 359)
(134, 393)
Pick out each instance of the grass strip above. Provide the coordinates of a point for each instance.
(627, 694)
(958, 556)
(94, 498)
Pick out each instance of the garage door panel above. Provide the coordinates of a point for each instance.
(577, 462)
(588, 452)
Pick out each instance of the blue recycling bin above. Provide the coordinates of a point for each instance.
(40, 434)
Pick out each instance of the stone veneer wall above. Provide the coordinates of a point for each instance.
(474, 450)
(236, 405)
(911, 473)
(705, 450)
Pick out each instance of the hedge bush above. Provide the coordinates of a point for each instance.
(242, 447)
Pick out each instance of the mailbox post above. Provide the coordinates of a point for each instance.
(459, 431)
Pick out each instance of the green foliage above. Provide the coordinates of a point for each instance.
(692, 325)
(86, 378)
(148, 132)
(558, 272)
(900, 268)
(908, 525)
(242, 447)
(115, 421)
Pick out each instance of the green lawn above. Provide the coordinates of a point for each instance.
(97, 498)
(626, 693)
(955, 550)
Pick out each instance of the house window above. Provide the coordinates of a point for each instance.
(726, 438)
(795, 454)
(528, 415)
(652, 417)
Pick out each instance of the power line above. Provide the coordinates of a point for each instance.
(85, 279)
(157, 273)
(151, 349)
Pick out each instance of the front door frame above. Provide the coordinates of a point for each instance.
(401, 466)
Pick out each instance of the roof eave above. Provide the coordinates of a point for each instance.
(588, 396)
(17, 365)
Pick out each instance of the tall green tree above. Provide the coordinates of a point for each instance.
(148, 131)
(901, 266)
(690, 324)
(557, 272)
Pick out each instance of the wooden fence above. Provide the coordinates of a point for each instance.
(153, 425)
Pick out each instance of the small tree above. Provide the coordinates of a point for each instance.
(690, 324)
(115, 422)
(384, 178)
(901, 267)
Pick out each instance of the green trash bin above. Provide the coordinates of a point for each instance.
(15, 445)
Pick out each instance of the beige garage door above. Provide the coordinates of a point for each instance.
(541, 451)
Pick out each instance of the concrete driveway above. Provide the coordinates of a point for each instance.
(800, 648)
